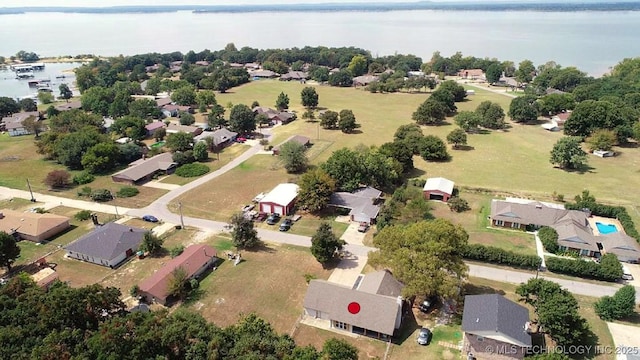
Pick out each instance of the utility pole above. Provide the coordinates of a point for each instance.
(31, 192)
(181, 217)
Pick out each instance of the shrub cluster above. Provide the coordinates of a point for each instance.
(192, 170)
(83, 178)
(609, 268)
(618, 306)
(101, 195)
(496, 255)
(549, 238)
(82, 215)
(128, 191)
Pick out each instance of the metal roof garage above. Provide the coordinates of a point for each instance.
(280, 200)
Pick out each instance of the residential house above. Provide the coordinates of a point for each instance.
(263, 74)
(221, 138)
(495, 328)
(364, 80)
(143, 170)
(372, 308)
(202, 63)
(574, 230)
(281, 200)
(32, 226)
(363, 204)
(152, 68)
(294, 75)
(472, 74)
(13, 123)
(561, 118)
(153, 126)
(175, 110)
(302, 140)
(251, 66)
(16, 129)
(189, 129)
(194, 260)
(107, 245)
(438, 189)
(275, 116)
(71, 105)
(161, 102)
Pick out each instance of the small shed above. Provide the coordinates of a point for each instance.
(280, 200)
(438, 189)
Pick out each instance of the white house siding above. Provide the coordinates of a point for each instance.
(96, 260)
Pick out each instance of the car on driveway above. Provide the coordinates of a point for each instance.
(428, 303)
(241, 139)
(150, 218)
(286, 225)
(273, 219)
(363, 227)
(424, 336)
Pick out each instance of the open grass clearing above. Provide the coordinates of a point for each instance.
(230, 291)
(475, 222)
(18, 204)
(367, 348)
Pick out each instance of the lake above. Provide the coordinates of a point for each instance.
(11, 87)
(591, 41)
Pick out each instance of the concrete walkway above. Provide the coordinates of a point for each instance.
(352, 235)
(625, 338)
(540, 250)
(348, 270)
(161, 185)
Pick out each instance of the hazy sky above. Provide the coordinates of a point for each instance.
(98, 3)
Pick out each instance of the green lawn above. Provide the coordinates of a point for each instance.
(226, 156)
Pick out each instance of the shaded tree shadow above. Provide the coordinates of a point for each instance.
(355, 131)
(464, 148)
(472, 289)
(629, 145)
(414, 173)
(408, 327)
(260, 247)
(581, 170)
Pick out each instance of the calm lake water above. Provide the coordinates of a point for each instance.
(592, 41)
(11, 87)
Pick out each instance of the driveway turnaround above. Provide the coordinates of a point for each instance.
(626, 339)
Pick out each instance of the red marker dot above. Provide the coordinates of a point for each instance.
(354, 308)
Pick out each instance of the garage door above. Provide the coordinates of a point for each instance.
(436, 197)
(265, 208)
(278, 209)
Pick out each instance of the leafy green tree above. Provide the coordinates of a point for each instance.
(309, 97)
(458, 204)
(433, 148)
(200, 152)
(101, 158)
(33, 126)
(153, 86)
(555, 103)
(341, 78)
(347, 122)
(493, 73)
(325, 245)
(377, 169)
(186, 118)
(45, 97)
(523, 109)
(491, 115)
(262, 119)
(159, 134)
(304, 353)
(151, 243)
(98, 100)
(282, 102)
(242, 119)
(425, 256)
(446, 98)
(602, 140)
(309, 115)
(568, 154)
(526, 71)
(243, 235)
(557, 311)
(457, 137)
(216, 118)
(621, 305)
(468, 120)
(65, 92)
(329, 119)
(549, 238)
(144, 109)
(73, 120)
(28, 104)
(185, 95)
(294, 157)
(319, 74)
(610, 267)
(590, 115)
(8, 106)
(358, 65)
(399, 151)
(336, 349)
(430, 112)
(344, 166)
(178, 284)
(129, 126)
(70, 148)
(316, 187)
(9, 250)
(457, 90)
(180, 141)
(206, 98)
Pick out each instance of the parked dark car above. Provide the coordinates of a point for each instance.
(424, 336)
(286, 225)
(150, 218)
(273, 219)
(428, 303)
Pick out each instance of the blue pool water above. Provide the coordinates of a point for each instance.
(606, 228)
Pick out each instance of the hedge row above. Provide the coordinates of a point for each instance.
(616, 212)
(496, 255)
(609, 268)
(549, 238)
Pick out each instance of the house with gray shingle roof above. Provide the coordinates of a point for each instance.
(107, 245)
(495, 328)
(221, 137)
(363, 203)
(145, 169)
(373, 308)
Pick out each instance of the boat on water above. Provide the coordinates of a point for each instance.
(24, 75)
(44, 87)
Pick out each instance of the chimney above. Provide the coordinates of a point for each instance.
(130, 229)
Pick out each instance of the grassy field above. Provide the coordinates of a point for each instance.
(475, 222)
(515, 160)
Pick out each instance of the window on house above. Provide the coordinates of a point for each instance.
(499, 223)
(584, 252)
(480, 338)
(515, 225)
(339, 325)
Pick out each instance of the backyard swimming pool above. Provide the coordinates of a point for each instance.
(606, 228)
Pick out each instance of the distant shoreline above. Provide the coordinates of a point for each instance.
(338, 7)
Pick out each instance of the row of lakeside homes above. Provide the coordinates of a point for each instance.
(575, 232)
